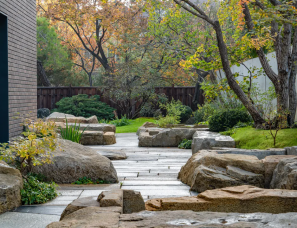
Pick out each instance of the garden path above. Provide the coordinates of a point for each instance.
(152, 171)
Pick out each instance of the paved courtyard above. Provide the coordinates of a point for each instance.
(152, 171)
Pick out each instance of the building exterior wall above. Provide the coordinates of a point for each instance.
(22, 58)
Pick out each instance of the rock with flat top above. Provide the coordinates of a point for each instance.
(92, 138)
(72, 161)
(62, 117)
(203, 140)
(79, 204)
(240, 199)
(89, 217)
(209, 170)
(109, 138)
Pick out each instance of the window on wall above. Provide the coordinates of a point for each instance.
(4, 112)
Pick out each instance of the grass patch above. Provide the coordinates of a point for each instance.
(251, 138)
(134, 125)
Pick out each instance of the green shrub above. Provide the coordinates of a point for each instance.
(223, 120)
(124, 121)
(186, 113)
(71, 132)
(82, 105)
(36, 191)
(167, 120)
(203, 113)
(85, 180)
(185, 144)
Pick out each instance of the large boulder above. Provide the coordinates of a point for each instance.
(270, 163)
(72, 161)
(209, 170)
(11, 183)
(240, 199)
(285, 174)
(164, 137)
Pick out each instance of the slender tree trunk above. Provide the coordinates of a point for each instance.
(90, 79)
(42, 78)
(231, 80)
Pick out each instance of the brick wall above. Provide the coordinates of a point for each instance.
(22, 68)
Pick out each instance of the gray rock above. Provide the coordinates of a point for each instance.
(193, 219)
(11, 183)
(207, 140)
(270, 163)
(133, 202)
(58, 117)
(113, 155)
(291, 150)
(72, 161)
(164, 137)
(285, 174)
(97, 127)
(261, 154)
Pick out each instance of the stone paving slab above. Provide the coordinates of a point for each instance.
(158, 187)
(26, 220)
(145, 183)
(47, 210)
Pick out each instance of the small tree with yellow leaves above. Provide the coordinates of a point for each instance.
(34, 148)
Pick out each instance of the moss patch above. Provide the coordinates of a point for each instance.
(251, 138)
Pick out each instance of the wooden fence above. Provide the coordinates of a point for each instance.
(47, 97)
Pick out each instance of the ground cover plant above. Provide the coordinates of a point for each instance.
(85, 180)
(82, 105)
(185, 144)
(124, 121)
(251, 138)
(36, 191)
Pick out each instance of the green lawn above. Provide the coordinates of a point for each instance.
(251, 138)
(134, 125)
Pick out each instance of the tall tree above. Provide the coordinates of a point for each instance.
(283, 32)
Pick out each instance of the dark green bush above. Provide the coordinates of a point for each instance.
(82, 105)
(36, 191)
(186, 113)
(185, 144)
(223, 120)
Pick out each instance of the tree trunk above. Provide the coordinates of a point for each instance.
(259, 121)
(41, 75)
(90, 79)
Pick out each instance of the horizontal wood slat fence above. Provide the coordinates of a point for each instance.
(47, 97)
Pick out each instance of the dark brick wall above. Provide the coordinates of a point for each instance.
(22, 68)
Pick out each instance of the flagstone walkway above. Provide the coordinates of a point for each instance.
(152, 171)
